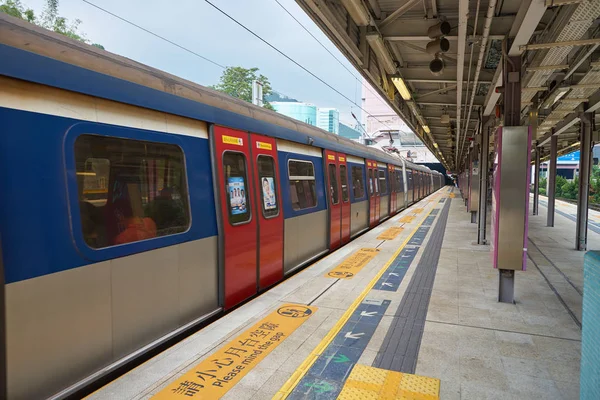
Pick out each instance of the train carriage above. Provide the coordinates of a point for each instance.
(138, 204)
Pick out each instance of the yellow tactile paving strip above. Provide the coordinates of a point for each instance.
(367, 382)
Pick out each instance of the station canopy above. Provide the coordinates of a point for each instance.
(438, 63)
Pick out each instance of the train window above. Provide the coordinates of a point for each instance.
(303, 191)
(236, 181)
(382, 182)
(129, 190)
(358, 184)
(344, 180)
(268, 186)
(399, 182)
(370, 181)
(375, 185)
(333, 184)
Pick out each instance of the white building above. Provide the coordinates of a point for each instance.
(380, 120)
(328, 119)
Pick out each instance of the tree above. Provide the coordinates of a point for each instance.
(49, 19)
(237, 82)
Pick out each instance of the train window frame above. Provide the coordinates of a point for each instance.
(140, 137)
(380, 172)
(245, 181)
(275, 191)
(361, 181)
(344, 183)
(370, 178)
(334, 195)
(299, 177)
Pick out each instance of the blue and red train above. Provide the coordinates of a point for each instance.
(136, 204)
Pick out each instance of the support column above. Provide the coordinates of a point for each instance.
(483, 184)
(533, 125)
(536, 181)
(551, 192)
(585, 165)
(511, 75)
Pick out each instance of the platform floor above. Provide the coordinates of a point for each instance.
(423, 304)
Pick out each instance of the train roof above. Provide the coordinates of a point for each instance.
(39, 55)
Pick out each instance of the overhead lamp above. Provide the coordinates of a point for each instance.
(436, 146)
(383, 55)
(436, 66)
(401, 86)
(359, 14)
(426, 129)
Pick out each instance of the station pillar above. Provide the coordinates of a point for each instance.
(536, 181)
(511, 76)
(551, 191)
(585, 166)
(483, 184)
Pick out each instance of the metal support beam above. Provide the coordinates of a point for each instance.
(585, 166)
(536, 181)
(483, 184)
(551, 179)
(398, 13)
(540, 46)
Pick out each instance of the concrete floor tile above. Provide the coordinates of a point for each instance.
(447, 314)
(523, 366)
(483, 370)
(568, 390)
(558, 349)
(473, 316)
(477, 391)
(527, 387)
(239, 392)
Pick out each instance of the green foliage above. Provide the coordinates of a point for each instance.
(543, 184)
(49, 19)
(237, 82)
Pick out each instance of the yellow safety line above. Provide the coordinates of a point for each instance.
(293, 381)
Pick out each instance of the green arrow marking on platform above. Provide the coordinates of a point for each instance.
(321, 387)
(340, 358)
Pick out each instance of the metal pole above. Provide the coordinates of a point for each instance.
(552, 180)
(483, 184)
(585, 166)
(536, 181)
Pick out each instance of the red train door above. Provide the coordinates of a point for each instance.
(333, 193)
(345, 198)
(239, 244)
(269, 212)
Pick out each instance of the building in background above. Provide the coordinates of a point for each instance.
(304, 112)
(380, 121)
(348, 132)
(328, 119)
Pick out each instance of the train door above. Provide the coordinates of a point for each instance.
(372, 177)
(269, 213)
(392, 188)
(345, 198)
(238, 233)
(383, 203)
(333, 193)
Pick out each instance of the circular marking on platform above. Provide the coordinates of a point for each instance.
(340, 274)
(294, 311)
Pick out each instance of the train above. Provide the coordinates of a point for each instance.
(137, 204)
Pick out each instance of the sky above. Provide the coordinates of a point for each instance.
(196, 25)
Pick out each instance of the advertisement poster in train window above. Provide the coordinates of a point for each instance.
(268, 188)
(237, 195)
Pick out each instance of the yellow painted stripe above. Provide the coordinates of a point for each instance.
(214, 376)
(407, 219)
(291, 383)
(391, 233)
(353, 264)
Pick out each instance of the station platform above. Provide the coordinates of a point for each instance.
(408, 310)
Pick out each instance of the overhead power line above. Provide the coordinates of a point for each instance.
(291, 60)
(154, 34)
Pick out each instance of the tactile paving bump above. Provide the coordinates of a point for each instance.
(366, 382)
